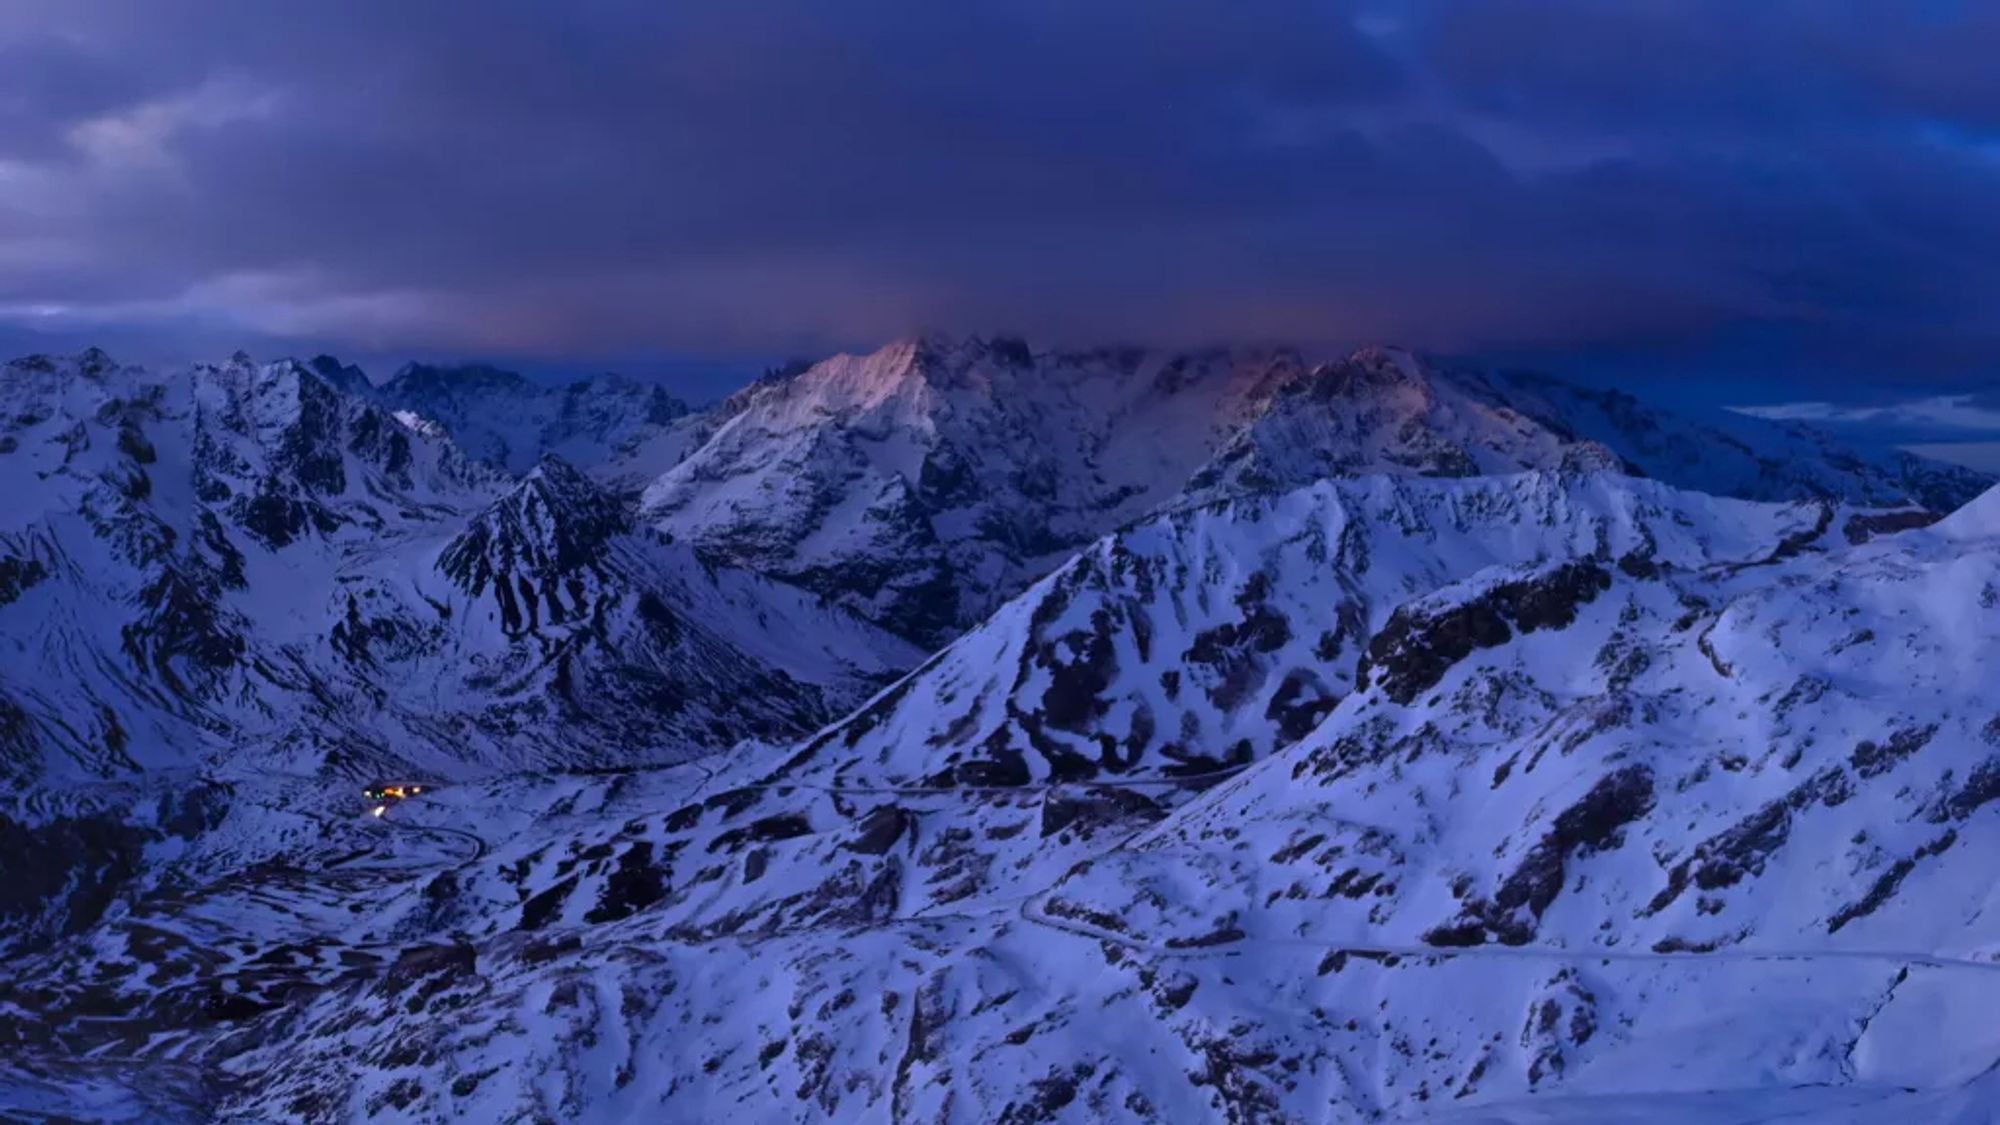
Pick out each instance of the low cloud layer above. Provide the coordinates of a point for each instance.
(1803, 184)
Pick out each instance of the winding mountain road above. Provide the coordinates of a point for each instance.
(479, 845)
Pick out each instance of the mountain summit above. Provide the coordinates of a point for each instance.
(923, 483)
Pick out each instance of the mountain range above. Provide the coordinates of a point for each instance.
(962, 732)
(923, 484)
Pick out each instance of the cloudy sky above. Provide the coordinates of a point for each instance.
(1797, 186)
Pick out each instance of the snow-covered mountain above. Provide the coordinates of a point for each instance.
(1345, 741)
(193, 549)
(153, 525)
(1211, 636)
(1558, 798)
(620, 428)
(923, 484)
(926, 482)
(1736, 454)
(238, 573)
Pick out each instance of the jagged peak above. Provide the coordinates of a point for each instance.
(1390, 355)
(1009, 350)
(33, 361)
(662, 405)
(1382, 365)
(243, 363)
(1383, 368)
(92, 362)
(785, 372)
(344, 377)
(935, 352)
(555, 520)
(569, 493)
(432, 377)
(932, 360)
(553, 471)
(603, 380)
(244, 381)
(865, 377)
(946, 362)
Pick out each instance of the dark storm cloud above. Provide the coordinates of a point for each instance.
(1715, 65)
(594, 177)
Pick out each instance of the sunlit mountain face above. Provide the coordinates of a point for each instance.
(1324, 561)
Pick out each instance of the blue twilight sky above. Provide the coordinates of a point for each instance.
(1790, 196)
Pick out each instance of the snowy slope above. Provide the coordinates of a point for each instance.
(1314, 761)
(923, 484)
(588, 639)
(1724, 758)
(157, 523)
(926, 482)
(1213, 635)
(242, 553)
(238, 575)
(619, 428)
(1733, 454)
(1621, 803)
(1385, 410)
